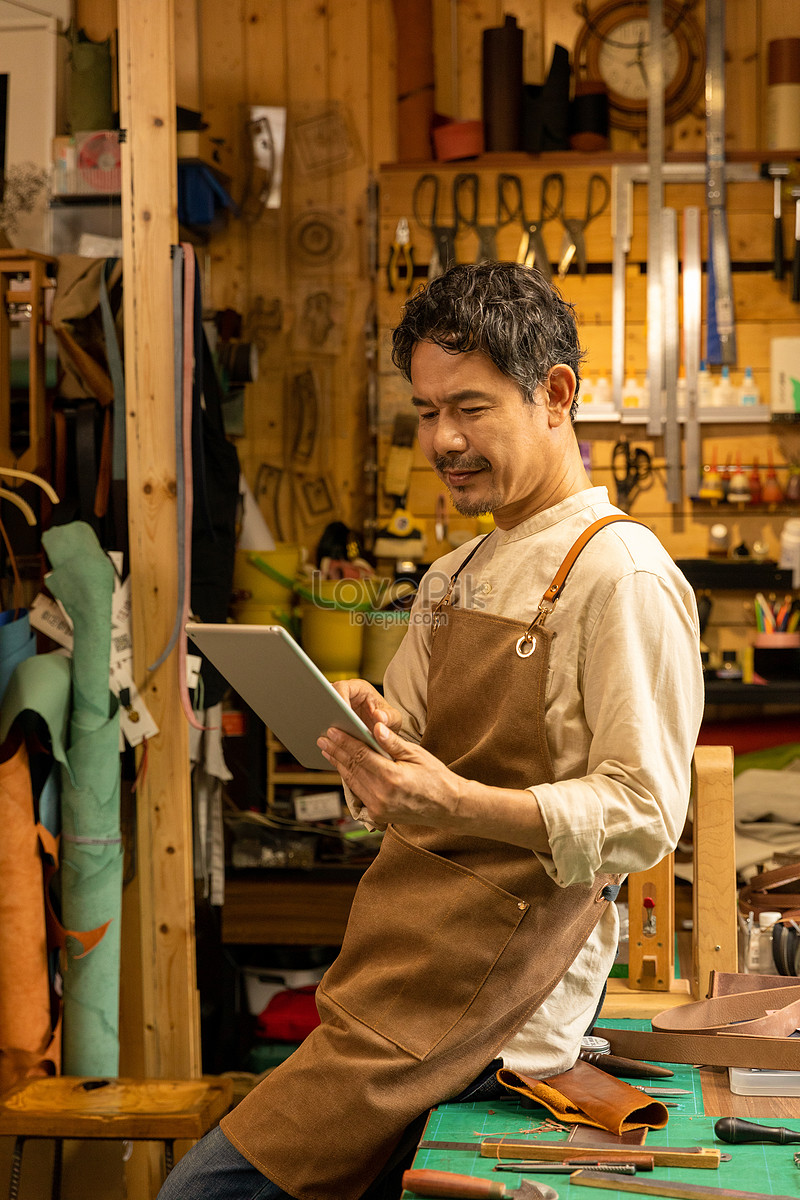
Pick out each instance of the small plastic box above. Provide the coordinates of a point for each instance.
(762, 1082)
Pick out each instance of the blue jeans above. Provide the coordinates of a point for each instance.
(215, 1170)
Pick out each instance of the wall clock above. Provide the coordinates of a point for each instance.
(613, 47)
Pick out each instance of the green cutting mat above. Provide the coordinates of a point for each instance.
(766, 1169)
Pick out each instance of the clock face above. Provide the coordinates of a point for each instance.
(625, 64)
(613, 47)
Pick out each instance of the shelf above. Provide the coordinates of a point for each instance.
(720, 691)
(729, 415)
(730, 575)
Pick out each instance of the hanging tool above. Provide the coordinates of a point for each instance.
(466, 206)
(777, 172)
(444, 1183)
(669, 308)
(692, 318)
(655, 203)
(659, 1187)
(426, 196)
(721, 335)
(633, 472)
(574, 242)
(403, 537)
(796, 255)
(737, 1131)
(400, 268)
(532, 250)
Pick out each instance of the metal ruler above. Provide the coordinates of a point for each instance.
(623, 179)
(655, 203)
(692, 317)
(721, 346)
(671, 351)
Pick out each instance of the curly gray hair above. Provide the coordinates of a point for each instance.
(508, 312)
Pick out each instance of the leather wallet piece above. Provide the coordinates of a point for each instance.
(586, 1095)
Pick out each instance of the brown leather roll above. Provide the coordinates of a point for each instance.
(584, 1095)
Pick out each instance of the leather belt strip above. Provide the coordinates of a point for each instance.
(749, 1029)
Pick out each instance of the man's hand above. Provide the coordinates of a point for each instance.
(368, 704)
(411, 788)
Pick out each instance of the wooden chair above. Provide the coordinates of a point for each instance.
(651, 985)
(70, 1106)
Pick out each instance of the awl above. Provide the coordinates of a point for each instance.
(444, 1183)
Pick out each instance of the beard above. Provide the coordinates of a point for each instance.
(462, 503)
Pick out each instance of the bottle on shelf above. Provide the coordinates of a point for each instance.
(723, 395)
(749, 394)
(754, 481)
(631, 393)
(711, 484)
(586, 394)
(792, 493)
(772, 492)
(739, 487)
(705, 386)
(759, 959)
(602, 401)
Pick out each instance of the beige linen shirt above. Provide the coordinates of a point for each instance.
(623, 707)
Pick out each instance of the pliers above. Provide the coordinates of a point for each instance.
(400, 268)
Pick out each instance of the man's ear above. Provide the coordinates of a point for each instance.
(560, 387)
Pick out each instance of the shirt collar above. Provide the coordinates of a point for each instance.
(552, 516)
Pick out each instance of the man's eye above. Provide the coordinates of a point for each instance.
(473, 412)
(429, 415)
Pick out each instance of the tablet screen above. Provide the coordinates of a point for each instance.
(275, 676)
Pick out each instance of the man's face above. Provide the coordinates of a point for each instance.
(492, 449)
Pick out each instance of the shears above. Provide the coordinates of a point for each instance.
(466, 188)
(532, 250)
(632, 469)
(444, 236)
(400, 267)
(598, 194)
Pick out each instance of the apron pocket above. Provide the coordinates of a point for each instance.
(423, 935)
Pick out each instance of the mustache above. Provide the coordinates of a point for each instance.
(443, 463)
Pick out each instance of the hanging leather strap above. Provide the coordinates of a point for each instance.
(554, 591)
(769, 892)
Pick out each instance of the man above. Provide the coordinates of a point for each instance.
(540, 716)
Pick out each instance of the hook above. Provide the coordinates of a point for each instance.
(22, 505)
(37, 479)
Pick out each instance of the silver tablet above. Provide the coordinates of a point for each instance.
(268, 669)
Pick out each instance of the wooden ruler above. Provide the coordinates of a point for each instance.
(663, 1156)
(659, 1187)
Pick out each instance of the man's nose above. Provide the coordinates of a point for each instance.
(449, 437)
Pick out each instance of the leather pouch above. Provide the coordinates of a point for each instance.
(585, 1095)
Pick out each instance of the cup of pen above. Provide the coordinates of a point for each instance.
(776, 656)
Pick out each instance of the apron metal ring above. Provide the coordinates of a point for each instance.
(526, 645)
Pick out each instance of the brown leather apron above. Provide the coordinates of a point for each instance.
(452, 942)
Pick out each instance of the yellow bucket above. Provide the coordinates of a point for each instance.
(252, 612)
(383, 633)
(332, 630)
(284, 560)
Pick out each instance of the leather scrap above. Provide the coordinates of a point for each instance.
(585, 1095)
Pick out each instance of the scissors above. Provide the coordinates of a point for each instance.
(574, 243)
(444, 236)
(633, 472)
(400, 267)
(466, 189)
(532, 250)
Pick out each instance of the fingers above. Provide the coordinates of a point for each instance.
(368, 703)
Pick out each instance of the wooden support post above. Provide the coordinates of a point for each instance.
(714, 940)
(164, 859)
